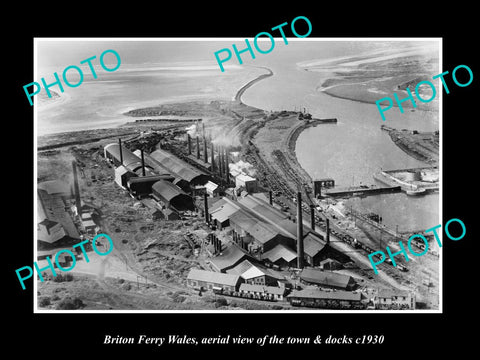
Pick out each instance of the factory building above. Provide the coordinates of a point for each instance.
(53, 202)
(327, 279)
(179, 168)
(122, 175)
(119, 155)
(211, 280)
(259, 228)
(247, 182)
(172, 196)
(220, 213)
(256, 274)
(141, 186)
(230, 257)
(256, 236)
(281, 256)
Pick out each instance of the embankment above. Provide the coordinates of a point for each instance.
(238, 96)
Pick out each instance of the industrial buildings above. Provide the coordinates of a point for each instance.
(171, 196)
(161, 175)
(327, 279)
(54, 222)
(327, 299)
(210, 280)
(269, 234)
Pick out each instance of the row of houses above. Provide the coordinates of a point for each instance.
(238, 285)
(232, 283)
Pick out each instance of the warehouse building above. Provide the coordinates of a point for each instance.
(211, 280)
(141, 186)
(119, 155)
(122, 175)
(255, 235)
(172, 196)
(230, 257)
(179, 168)
(327, 279)
(281, 256)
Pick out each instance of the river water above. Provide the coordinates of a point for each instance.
(354, 148)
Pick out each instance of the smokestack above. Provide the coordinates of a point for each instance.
(212, 156)
(227, 170)
(143, 163)
(198, 148)
(270, 197)
(312, 216)
(299, 231)
(205, 153)
(121, 153)
(77, 189)
(220, 161)
(205, 200)
(328, 231)
(189, 141)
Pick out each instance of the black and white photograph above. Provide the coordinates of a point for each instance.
(220, 180)
(220, 186)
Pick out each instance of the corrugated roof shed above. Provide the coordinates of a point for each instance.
(327, 295)
(167, 190)
(213, 277)
(275, 217)
(312, 245)
(262, 232)
(176, 165)
(326, 278)
(247, 270)
(230, 257)
(130, 160)
(280, 252)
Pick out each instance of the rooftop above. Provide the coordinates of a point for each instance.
(167, 190)
(262, 289)
(327, 295)
(280, 252)
(389, 293)
(231, 256)
(213, 277)
(326, 278)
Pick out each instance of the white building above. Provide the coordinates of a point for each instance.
(250, 184)
(395, 299)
